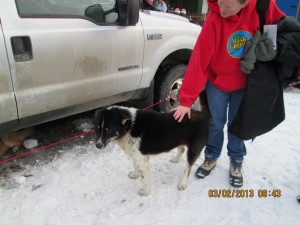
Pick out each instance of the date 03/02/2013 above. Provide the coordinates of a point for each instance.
(243, 193)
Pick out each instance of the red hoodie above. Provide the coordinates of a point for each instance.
(219, 49)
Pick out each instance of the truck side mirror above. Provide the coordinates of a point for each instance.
(95, 12)
(128, 11)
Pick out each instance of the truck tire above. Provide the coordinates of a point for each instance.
(169, 85)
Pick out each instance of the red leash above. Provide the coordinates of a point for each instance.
(293, 84)
(161, 101)
(67, 139)
(44, 147)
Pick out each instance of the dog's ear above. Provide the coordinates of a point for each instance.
(125, 116)
(123, 121)
(97, 113)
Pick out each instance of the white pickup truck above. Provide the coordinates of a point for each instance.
(62, 57)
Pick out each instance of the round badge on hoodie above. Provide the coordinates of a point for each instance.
(236, 43)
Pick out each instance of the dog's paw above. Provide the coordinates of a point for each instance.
(16, 148)
(181, 186)
(143, 192)
(174, 160)
(133, 175)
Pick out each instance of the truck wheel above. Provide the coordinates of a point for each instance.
(169, 85)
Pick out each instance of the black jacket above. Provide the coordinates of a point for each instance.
(262, 107)
(288, 45)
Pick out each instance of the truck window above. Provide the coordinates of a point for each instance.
(99, 11)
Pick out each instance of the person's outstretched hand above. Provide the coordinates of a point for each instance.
(180, 111)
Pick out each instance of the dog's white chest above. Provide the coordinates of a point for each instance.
(130, 145)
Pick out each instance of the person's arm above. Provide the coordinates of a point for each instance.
(273, 14)
(165, 8)
(197, 70)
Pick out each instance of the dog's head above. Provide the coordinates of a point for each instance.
(111, 123)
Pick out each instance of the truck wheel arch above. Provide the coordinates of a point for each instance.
(168, 79)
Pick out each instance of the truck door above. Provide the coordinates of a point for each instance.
(290, 7)
(69, 56)
(8, 109)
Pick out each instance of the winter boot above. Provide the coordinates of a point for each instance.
(205, 169)
(235, 176)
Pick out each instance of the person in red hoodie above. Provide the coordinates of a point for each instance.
(215, 64)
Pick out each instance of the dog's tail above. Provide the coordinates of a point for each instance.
(205, 113)
(203, 100)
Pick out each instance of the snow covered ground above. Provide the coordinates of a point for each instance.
(86, 186)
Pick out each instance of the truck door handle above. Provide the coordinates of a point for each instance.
(293, 6)
(22, 48)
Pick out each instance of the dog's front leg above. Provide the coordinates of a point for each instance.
(16, 148)
(183, 183)
(135, 173)
(180, 151)
(143, 165)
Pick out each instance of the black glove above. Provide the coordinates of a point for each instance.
(249, 57)
(265, 50)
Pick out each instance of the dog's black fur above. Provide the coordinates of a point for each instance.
(143, 133)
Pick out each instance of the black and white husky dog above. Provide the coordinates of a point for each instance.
(143, 133)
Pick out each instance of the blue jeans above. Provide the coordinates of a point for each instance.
(218, 102)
